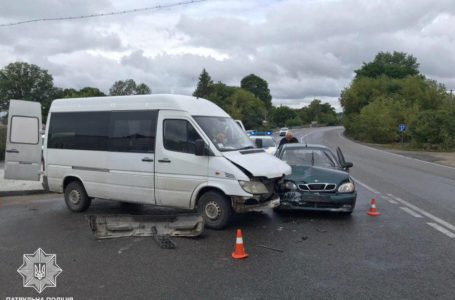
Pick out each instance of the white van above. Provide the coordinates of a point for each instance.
(168, 150)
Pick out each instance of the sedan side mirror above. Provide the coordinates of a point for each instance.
(348, 165)
(200, 148)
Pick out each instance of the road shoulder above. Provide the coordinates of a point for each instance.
(440, 158)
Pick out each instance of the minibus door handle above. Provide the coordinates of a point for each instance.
(147, 159)
(12, 151)
(164, 160)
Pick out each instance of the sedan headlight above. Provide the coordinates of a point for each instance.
(253, 187)
(347, 187)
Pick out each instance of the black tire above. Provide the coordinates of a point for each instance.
(76, 198)
(216, 209)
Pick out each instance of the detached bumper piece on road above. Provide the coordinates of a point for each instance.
(159, 226)
(321, 202)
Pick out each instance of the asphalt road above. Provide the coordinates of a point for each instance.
(394, 256)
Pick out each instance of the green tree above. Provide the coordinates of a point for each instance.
(128, 87)
(393, 65)
(317, 111)
(259, 87)
(245, 106)
(204, 85)
(219, 94)
(376, 122)
(143, 89)
(280, 115)
(24, 81)
(296, 121)
(389, 91)
(82, 93)
(121, 88)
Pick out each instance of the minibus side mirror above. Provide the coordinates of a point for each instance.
(258, 143)
(200, 148)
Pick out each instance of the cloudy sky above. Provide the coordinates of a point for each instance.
(304, 49)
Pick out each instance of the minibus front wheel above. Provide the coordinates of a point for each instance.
(216, 209)
(76, 197)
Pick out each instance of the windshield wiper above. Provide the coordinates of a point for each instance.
(247, 147)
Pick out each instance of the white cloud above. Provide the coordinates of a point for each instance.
(304, 49)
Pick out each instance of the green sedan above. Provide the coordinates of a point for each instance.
(319, 180)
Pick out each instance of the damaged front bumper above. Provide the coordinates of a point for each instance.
(318, 202)
(114, 226)
(255, 203)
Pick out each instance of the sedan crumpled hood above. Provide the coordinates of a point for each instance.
(309, 174)
(259, 164)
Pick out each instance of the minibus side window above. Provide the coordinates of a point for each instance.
(179, 136)
(79, 130)
(133, 131)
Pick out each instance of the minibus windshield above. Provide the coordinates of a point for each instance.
(224, 133)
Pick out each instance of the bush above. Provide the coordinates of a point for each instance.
(2, 142)
(296, 121)
(434, 129)
(375, 123)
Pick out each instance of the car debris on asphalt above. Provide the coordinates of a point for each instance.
(115, 226)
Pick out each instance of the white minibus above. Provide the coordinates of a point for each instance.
(168, 150)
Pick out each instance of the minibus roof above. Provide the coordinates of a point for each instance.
(194, 106)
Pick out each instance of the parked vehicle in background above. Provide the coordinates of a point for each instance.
(319, 181)
(250, 132)
(283, 131)
(167, 150)
(265, 141)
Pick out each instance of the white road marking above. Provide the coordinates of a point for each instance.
(411, 212)
(425, 213)
(309, 133)
(389, 199)
(366, 186)
(410, 209)
(395, 154)
(442, 229)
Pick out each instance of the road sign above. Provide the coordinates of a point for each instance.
(402, 127)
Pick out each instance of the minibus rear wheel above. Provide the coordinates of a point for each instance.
(215, 208)
(76, 197)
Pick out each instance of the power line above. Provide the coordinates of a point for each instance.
(122, 12)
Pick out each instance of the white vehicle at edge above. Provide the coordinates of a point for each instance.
(265, 141)
(283, 131)
(168, 150)
(240, 123)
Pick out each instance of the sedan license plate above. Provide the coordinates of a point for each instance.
(315, 198)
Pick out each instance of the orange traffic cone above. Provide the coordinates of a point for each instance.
(373, 212)
(239, 252)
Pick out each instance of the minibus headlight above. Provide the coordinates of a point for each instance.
(347, 187)
(289, 185)
(253, 187)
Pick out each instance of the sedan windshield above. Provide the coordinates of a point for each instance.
(224, 133)
(308, 157)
